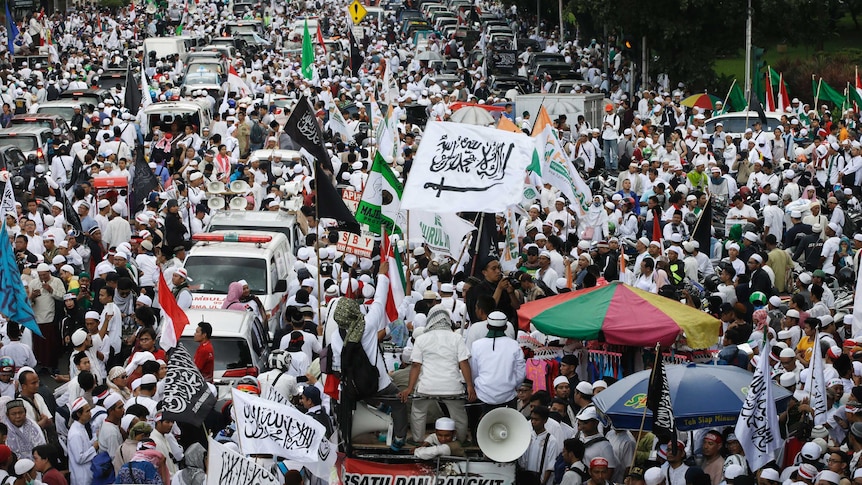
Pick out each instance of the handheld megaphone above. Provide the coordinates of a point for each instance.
(503, 435)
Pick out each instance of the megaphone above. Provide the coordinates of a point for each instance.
(291, 188)
(239, 187)
(215, 187)
(215, 203)
(368, 420)
(238, 203)
(151, 8)
(503, 435)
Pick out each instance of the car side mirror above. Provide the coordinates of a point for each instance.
(281, 286)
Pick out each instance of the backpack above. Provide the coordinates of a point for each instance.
(40, 187)
(359, 377)
(849, 224)
(257, 134)
(102, 469)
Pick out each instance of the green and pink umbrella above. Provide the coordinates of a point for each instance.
(624, 315)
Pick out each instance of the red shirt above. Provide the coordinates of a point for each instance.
(53, 477)
(205, 360)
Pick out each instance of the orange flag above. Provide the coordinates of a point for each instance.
(542, 120)
(507, 125)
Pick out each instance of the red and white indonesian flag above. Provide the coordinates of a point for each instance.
(175, 318)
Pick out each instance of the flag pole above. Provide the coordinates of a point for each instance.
(651, 383)
(407, 259)
(727, 98)
(817, 94)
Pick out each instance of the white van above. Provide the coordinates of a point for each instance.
(164, 47)
(166, 113)
(263, 259)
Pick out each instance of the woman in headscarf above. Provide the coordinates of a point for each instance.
(73, 319)
(231, 301)
(195, 471)
(136, 431)
(146, 467)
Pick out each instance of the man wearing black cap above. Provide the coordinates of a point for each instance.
(311, 401)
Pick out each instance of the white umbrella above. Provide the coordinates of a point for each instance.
(562, 107)
(472, 115)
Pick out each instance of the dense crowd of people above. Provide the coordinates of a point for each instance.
(83, 401)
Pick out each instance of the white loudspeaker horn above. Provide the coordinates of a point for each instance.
(503, 435)
(239, 187)
(368, 420)
(215, 203)
(151, 8)
(215, 187)
(291, 188)
(238, 203)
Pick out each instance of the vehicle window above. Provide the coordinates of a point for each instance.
(38, 122)
(25, 143)
(216, 273)
(14, 159)
(200, 78)
(273, 272)
(229, 352)
(259, 337)
(65, 112)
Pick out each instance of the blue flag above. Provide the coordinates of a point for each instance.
(11, 31)
(13, 298)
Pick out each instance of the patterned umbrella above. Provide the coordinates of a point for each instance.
(702, 100)
(624, 315)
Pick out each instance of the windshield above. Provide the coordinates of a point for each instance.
(204, 68)
(66, 113)
(41, 123)
(229, 352)
(91, 100)
(25, 143)
(216, 273)
(198, 78)
(738, 124)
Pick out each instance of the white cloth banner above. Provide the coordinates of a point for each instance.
(815, 386)
(338, 125)
(461, 167)
(558, 171)
(443, 233)
(757, 428)
(270, 428)
(857, 303)
(227, 467)
(7, 203)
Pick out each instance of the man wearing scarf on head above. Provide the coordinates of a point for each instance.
(24, 433)
(438, 356)
(368, 330)
(253, 302)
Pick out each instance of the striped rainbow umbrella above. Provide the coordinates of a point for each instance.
(624, 315)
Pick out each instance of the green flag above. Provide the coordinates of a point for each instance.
(736, 98)
(381, 200)
(307, 54)
(828, 93)
(853, 96)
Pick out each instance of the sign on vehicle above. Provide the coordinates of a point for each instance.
(350, 243)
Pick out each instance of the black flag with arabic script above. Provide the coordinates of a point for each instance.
(303, 128)
(658, 401)
(187, 397)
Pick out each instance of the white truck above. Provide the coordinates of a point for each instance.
(572, 105)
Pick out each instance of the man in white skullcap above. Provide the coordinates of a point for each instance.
(440, 443)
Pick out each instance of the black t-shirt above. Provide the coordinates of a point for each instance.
(488, 288)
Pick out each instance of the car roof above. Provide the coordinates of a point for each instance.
(244, 249)
(252, 218)
(225, 323)
(75, 92)
(25, 130)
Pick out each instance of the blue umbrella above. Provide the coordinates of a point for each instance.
(703, 396)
